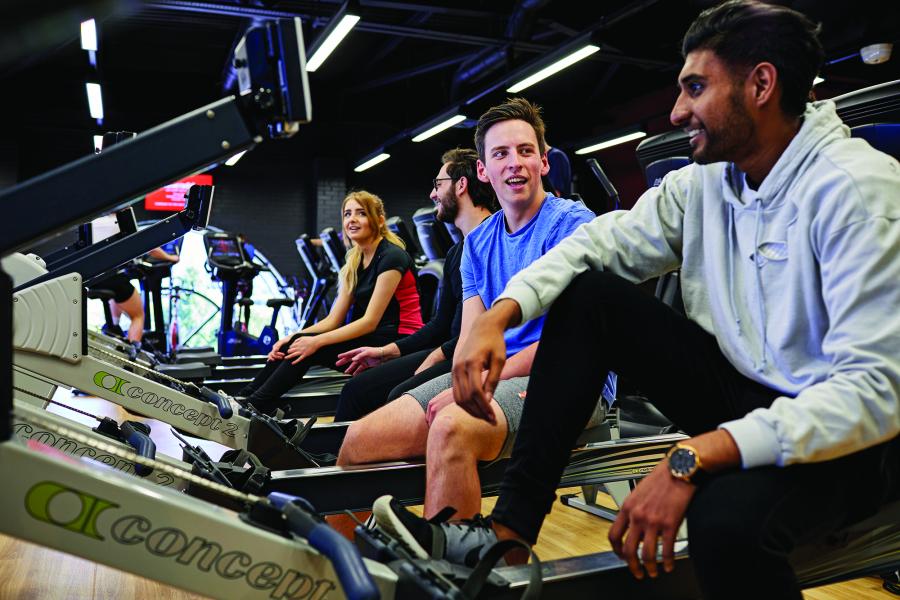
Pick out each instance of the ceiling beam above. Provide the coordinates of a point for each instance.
(413, 72)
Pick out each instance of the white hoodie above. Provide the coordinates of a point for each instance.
(799, 281)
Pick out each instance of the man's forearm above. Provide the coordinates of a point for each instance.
(717, 451)
(519, 364)
(506, 314)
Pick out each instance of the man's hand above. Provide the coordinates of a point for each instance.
(436, 356)
(658, 504)
(275, 353)
(303, 347)
(360, 359)
(437, 404)
(484, 348)
(653, 510)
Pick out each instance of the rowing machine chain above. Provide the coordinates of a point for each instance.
(144, 369)
(131, 457)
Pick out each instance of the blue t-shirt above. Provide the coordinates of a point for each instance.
(491, 256)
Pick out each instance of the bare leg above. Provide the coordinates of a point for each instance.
(456, 442)
(396, 430)
(134, 308)
(114, 311)
(516, 556)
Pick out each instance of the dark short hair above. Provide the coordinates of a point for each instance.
(744, 33)
(463, 162)
(513, 108)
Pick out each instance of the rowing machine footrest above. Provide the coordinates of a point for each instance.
(266, 438)
(243, 472)
(440, 580)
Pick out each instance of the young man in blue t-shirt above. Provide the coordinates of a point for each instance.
(512, 158)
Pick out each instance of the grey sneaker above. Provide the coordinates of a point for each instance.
(460, 542)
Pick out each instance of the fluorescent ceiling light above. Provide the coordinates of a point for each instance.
(554, 67)
(98, 143)
(331, 42)
(619, 140)
(89, 35)
(233, 160)
(372, 162)
(447, 124)
(95, 100)
(817, 80)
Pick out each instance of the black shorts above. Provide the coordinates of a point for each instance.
(119, 285)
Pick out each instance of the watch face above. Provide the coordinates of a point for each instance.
(682, 462)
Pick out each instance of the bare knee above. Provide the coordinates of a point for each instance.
(395, 431)
(451, 438)
(457, 436)
(350, 453)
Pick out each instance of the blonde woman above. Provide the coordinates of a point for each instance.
(377, 291)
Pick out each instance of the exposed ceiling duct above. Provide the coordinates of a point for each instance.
(490, 59)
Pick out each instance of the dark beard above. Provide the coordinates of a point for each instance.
(447, 211)
(726, 144)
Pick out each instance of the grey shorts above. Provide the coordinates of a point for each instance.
(509, 395)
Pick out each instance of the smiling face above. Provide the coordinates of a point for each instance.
(359, 227)
(712, 110)
(513, 164)
(444, 197)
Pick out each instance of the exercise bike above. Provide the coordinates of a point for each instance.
(231, 266)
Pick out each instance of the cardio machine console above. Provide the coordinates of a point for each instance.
(226, 256)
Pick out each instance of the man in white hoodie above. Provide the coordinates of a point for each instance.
(787, 368)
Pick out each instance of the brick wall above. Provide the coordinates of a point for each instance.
(265, 196)
(331, 189)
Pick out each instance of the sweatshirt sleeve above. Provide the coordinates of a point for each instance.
(637, 244)
(857, 405)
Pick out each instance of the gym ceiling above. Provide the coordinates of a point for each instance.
(402, 65)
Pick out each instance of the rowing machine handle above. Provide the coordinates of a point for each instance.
(348, 564)
(136, 434)
(224, 406)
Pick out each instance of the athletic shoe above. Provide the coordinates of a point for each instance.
(460, 542)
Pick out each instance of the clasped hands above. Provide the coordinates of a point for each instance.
(302, 347)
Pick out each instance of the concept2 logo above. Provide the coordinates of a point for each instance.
(78, 512)
(42, 495)
(126, 389)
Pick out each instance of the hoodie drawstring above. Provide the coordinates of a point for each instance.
(759, 299)
(731, 235)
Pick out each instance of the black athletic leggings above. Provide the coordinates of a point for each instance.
(738, 520)
(373, 388)
(279, 376)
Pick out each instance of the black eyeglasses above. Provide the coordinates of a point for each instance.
(434, 182)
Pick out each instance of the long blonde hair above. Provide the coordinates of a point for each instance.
(374, 208)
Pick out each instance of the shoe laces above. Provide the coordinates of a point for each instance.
(473, 525)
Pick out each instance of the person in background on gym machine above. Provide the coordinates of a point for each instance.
(378, 290)
(785, 369)
(462, 199)
(126, 299)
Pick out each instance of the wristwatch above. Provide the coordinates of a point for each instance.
(684, 464)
